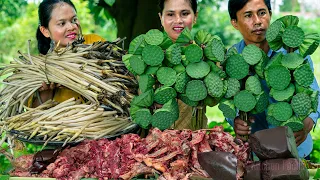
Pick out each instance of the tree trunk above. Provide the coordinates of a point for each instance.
(134, 17)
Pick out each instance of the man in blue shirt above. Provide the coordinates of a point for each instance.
(252, 19)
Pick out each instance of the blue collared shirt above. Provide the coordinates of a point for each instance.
(305, 148)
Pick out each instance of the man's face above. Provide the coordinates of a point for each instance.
(253, 21)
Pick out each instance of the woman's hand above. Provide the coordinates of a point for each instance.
(45, 92)
(302, 135)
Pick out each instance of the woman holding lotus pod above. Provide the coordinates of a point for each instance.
(175, 15)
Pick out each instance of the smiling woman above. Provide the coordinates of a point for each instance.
(58, 22)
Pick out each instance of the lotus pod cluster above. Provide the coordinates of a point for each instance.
(187, 70)
(289, 75)
(244, 73)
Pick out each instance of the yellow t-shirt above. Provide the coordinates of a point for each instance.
(62, 94)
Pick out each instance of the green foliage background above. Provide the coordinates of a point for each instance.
(18, 24)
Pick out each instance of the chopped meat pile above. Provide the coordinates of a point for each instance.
(171, 153)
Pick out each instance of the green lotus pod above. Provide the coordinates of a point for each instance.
(173, 107)
(294, 123)
(179, 68)
(143, 118)
(228, 109)
(198, 70)
(202, 37)
(152, 70)
(270, 109)
(214, 68)
(310, 44)
(289, 20)
(282, 111)
(154, 37)
(137, 45)
(293, 36)
(303, 75)
(137, 64)
(314, 100)
(276, 45)
(193, 53)
(133, 109)
(164, 94)
(181, 82)
(184, 98)
(143, 100)
(301, 104)
(146, 82)
(166, 76)
(252, 54)
(152, 55)
(215, 50)
(184, 37)
(273, 121)
(245, 101)
(214, 85)
(253, 85)
(283, 95)
(302, 89)
(233, 87)
(275, 31)
(126, 62)
(278, 77)
(237, 67)
(292, 60)
(260, 67)
(184, 61)
(173, 54)
(167, 41)
(162, 119)
(196, 90)
(275, 60)
(262, 102)
(231, 51)
(211, 101)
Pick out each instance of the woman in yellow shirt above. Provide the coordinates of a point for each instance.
(58, 25)
(175, 15)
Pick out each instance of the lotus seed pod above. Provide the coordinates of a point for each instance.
(184, 98)
(283, 95)
(198, 70)
(181, 82)
(196, 90)
(153, 37)
(237, 67)
(301, 104)
(143, 100)
(173, 54)
(193, 53)
(252, 54)
(233, 87)
(166, 76)
(278, 77)
(164, 94)
(253, 85)
(245, 101)
(162, 119)
(228, 109)
(202, 37)
(173, 107)
(310, 44)
(137, 44)
(292, 60)
(184, 38)
(282, 111)
(303, 75)
(137, 64)
(293, 36)
(146, 82)
(262, 102)
(143, 118)
(152, 55)
(294, 123)
(214, 85)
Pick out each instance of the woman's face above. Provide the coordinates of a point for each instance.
(63, 25)
(177, 15)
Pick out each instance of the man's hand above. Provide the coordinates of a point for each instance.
(302, 135)
(241, 128)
